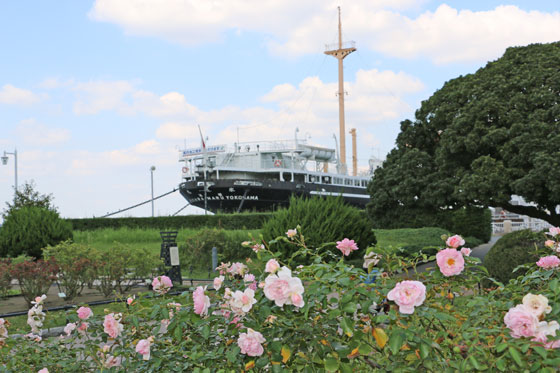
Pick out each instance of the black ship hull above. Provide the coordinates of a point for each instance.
(248, 195)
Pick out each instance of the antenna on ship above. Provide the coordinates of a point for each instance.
(339, 53)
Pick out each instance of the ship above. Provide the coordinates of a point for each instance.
(263, 175)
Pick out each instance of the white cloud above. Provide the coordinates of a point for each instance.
(293, 27)
(34, 133)
(96, 96)
(122, 96)
(18, 96)
(448, 35)
(375, 97)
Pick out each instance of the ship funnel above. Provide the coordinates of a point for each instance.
(354, 153)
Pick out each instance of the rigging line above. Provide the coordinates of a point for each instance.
(181, 209)
(139, 204)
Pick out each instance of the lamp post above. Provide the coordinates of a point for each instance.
(5, 162)
(152, 169)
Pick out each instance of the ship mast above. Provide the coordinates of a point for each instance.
(339, 53)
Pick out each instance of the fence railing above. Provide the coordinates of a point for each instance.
(532, 224)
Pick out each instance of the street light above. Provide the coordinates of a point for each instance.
(5, 162)
(152, 169)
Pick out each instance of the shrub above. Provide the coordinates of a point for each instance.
(322, 220)
(196, 252)
(120, 268)
(29, 229)
(5, 277)
(512, 250)
(74, 267)
(35, 277)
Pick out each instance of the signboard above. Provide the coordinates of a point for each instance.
(209, 149)
(174, 255)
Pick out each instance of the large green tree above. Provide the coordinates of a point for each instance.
(480, 139)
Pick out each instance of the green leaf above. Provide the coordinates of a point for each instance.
(474, 362)
(540, 350)
(553, 362)
(515, 356)
(350, 308)
(424, 350)
(331, 364)
(501, 347)
(347, 327)
(553, 285)
(365, 349)
(205, 331)
(396, 341)
(501, 364)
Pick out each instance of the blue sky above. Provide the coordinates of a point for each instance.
(92, 93)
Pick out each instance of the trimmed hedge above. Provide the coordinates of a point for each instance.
(512, 250)
(225, 221)
(467, 222)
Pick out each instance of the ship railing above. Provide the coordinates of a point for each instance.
(255, 146)
(345, 45)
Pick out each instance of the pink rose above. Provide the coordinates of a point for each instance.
(455, 241)
(143, 348)
(112, 326)
(450, 262)
(521, 321)
(545, 329)
(553, 231)
(548, 262)
(249, 277)
(84, 313)
(218, 281)
(69, 328)
(162, 284)
(241, 302)
(251, 343)
(407, 295)
(201, 301)
(257, 247)
(130, 300)
(44, 370)
(466, 251)
(550, 243)
(83, 327)
(291, 233)
(346, 246)
(282, 286)
(272, 266)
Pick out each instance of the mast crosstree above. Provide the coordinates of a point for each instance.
(342, 50)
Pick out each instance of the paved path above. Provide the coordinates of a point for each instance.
(477, 252)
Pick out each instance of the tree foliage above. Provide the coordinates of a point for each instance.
(480, 139)
(28, 196)
(29, 229)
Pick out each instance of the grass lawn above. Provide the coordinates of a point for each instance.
(104, 239)
(409, 236)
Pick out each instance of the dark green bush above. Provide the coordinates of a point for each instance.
(321, 220)
(196, 252)
(510, 251)
(225, 221)
(29, 229)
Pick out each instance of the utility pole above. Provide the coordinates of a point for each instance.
(340, 53)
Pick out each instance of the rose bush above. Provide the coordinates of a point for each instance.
(321, 317)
